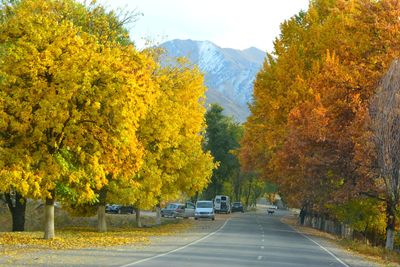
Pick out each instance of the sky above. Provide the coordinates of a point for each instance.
(238, 24)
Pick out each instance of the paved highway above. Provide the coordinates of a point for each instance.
(250, 239)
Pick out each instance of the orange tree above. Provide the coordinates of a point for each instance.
(307, 131)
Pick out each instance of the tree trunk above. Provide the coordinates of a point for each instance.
(101, 211)
(390, 223)
(303, 213)
(158, 215)
(195, 197)
(101, 218)
(237, 188)
(138, 221)
(49, 218)
(255, 200)
(248, 193)
(17, 207)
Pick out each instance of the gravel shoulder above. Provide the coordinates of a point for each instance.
(329, 241)
(118, 256)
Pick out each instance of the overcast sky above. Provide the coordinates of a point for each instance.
(228, 23)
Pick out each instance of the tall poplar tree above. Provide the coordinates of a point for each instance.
(221, 139)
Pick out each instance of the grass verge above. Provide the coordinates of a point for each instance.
(379, 254)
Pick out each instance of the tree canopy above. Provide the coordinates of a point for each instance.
(83, 113)
(309, 129)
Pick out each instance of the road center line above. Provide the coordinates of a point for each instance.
(177, 249)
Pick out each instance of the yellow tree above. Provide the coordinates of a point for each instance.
(171, 133)
(65, 95)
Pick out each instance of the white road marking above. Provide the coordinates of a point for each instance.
(177, 249)
(262, 240)
(322, 247)
(259, 258)
(262, 247)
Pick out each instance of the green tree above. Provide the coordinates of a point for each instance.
(222, 140)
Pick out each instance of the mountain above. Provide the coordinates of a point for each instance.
(229, 73)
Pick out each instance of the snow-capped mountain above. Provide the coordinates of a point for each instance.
(229, 73)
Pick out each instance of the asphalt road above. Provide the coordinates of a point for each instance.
(249, 239)
(246, 239)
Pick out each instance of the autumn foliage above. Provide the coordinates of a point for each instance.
(82, 111)
(309, 131)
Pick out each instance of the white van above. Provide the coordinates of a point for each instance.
(222, 204)
(204, 209)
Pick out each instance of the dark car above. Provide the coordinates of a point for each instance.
(237, 206)
(173, 210)
(126, 210)
(112, 208)
(119, 209)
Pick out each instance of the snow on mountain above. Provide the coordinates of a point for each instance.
(229, 73)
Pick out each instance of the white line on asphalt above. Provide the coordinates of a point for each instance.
(177, 249)
(259, 258)
(262, 240)
(322, 247)
(262, 247)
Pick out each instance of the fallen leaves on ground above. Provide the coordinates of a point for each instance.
(12, 243)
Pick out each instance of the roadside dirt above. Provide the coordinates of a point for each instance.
(332, 243)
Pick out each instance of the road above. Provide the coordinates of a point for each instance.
(243, 239)
(250, 239)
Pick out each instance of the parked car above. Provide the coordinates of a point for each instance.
(237, 206)
(222, 204)
(119, 209)
(189, 210)
(112, 208)
(126, 210)
(173, 210)
(204, 209)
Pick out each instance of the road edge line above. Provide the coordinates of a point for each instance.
(322, 247)
(177, 249)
